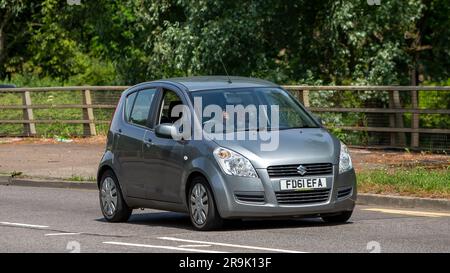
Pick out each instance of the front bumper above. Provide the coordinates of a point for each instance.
(226, 187)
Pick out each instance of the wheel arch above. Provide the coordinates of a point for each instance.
(102, 169)
(190, 178)
(216, 219)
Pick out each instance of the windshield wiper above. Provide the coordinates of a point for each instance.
(254, 129)
(299, 127)
(274, 129)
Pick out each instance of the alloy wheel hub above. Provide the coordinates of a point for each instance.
(109, 196)
(199, 204)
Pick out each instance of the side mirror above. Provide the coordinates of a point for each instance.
(165, 130)
(319, 119)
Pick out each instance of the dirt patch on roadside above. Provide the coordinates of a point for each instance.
(365, 159)
(50, 159)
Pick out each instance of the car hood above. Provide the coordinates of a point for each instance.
(295, 146)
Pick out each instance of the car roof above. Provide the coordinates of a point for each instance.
(7, 85)
(219, 82)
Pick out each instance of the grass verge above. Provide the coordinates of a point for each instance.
(419, 182)
(78, 178)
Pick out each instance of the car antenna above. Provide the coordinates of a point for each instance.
(224, 68)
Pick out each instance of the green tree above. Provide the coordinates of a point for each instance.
(323, 41)
(336, 42)
(14, 19)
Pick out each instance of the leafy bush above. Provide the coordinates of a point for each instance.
(435, 100)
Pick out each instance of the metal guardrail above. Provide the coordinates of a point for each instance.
(396, 127)
(395, 111)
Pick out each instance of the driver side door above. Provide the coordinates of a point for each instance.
(164, 155)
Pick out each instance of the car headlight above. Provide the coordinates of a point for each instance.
(345, 161)
(233, 163)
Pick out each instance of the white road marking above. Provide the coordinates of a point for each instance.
(162, 247)
(230, 245)
(62, 234)
(194, 245)
(22, 225)
(410, 212)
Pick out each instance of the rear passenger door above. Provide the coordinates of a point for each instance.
(137, 117)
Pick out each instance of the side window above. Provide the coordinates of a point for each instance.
(170, 100)
(141, 107)
(129, 105)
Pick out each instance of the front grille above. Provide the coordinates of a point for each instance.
(254, 197)
(302, 197)
(291, 170)
(344, 192)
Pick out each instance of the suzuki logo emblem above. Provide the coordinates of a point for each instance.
(301, 169)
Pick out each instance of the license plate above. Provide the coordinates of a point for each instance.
(303, 183)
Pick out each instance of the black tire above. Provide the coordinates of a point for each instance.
(122, 212)
(342, 217)
(213, 219)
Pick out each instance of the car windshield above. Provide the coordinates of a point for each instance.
(250, 109)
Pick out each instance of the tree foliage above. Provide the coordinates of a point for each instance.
(323, 41)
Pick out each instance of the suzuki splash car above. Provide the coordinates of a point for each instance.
(222, 148)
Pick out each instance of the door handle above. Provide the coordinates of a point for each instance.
(148, 142)
(118, 133)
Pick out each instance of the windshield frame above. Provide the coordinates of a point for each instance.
(304, 111)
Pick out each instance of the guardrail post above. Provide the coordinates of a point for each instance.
(306, 98)
(393, 140)
(299, 95)
(88, 114)
(29, 128)
(415, 119)
(399, 118)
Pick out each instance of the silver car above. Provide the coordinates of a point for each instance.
(222, 148)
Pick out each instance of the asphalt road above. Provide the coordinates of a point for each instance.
(65, 220)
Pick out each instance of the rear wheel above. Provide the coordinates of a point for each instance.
(113, 206)
(342, 217)
(202, 208)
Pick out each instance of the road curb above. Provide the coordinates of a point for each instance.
(363, 198)
(403, 201)
(31, 182)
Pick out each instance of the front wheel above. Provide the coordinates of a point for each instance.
(342, 217)
(202, 208)
(113, 206)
